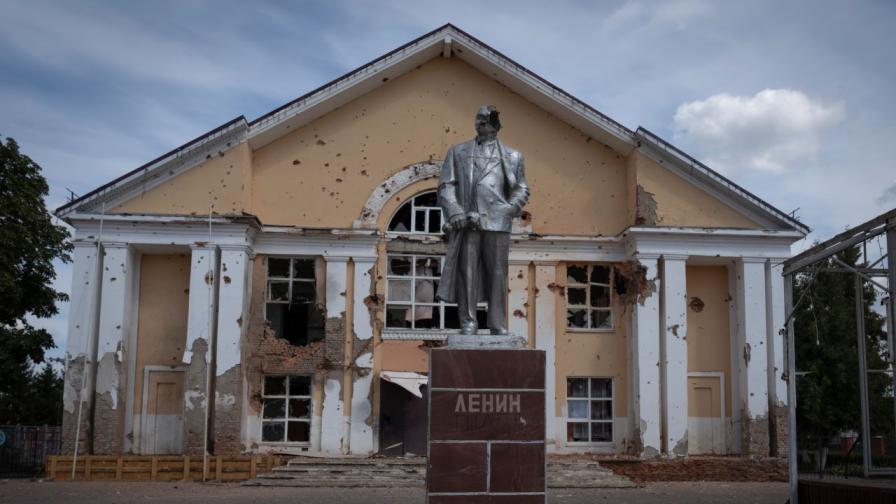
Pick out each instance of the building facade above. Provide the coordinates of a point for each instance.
(269, 285)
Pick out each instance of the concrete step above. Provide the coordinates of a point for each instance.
(384, 473)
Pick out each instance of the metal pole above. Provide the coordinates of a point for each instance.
(891, 286)
(863, 375)
(791, 391)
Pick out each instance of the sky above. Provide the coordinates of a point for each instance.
(792, 100)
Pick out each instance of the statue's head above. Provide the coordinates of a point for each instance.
(487, 122)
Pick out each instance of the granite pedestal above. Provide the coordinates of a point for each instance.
(486, 432)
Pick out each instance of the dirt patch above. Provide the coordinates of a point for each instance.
(700, 469)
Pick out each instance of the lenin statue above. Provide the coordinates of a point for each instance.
(482, 187)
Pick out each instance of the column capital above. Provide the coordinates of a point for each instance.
(84, 244)
(364, 259)
(752, 260)
(229, 247)
(115, 245)
(200, 245)
(641, 256)
(336, 258)
(546, 262)
(675, 257)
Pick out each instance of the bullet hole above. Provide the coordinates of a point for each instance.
(696, 304)
(339, 180)
(326, 164)
(385, 79)
(320, 141)
(296, 162)
(338, 154)
(364, 172)
(226, 279)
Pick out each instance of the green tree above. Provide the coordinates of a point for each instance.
(29, 242)
(828, 400)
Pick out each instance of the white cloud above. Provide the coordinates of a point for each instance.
(772, 131)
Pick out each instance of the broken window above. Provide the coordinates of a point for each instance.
(589, 410)
(286, 409)
(411, 284)
(588, 296)
(422, 214)
(292, 308)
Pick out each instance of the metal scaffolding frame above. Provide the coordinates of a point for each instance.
(872, 273)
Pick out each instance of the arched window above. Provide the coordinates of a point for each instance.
(419, 215)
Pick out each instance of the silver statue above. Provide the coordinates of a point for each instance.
(482, 187)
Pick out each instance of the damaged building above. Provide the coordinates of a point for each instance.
(269, 285)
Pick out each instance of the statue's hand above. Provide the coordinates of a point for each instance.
(456, 222)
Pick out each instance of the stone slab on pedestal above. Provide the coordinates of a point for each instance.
(486, 429)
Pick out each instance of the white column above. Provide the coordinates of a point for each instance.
(82, 325)
(362, 435)
(777, 386)
(234, 290)
(335, 417)
(545, 339)
(753, 369)
(675, 379)
(114, 322)
(200, 330)
(644, 378)
(518, 299)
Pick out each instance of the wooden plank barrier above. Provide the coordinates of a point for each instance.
(160, 467)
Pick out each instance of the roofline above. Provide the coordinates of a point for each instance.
(644, 133)
(147, 165)
(446, 26)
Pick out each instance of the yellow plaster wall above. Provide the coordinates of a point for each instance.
(678, 203)
(601, 354)
(162, 314)
(322, 174)
(709, 330)
(224, 180)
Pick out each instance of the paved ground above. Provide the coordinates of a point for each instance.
(28, 492)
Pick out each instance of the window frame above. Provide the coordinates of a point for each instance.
(610, 308)
(286, 418)
(428, 211)
(588, 420)
(289, 280)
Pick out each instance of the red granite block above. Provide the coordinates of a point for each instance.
(504, 416)
(517, 467)
(457, 467)
(515, 369)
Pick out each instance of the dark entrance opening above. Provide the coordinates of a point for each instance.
(402, 421)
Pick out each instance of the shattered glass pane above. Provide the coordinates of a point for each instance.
(299, 385)
(399, 290)
(577, 387)
(435, 221)
(278, 267)
(274, 385)
(272, 431)
(601, 319)
(576, 318)
(600, 274)
(420, 221)
(576, 274)
(399, 265)
(577, 432)
(427, 317)
(278, 291)
(428, 267)
(274, 408)
(601, 410)
(601, 432)
(577, 409)
(298, 432)
(600, 296)
(303, 268)
(401, 222)
(303, 292)
(430, 199)
(298, 408)
(602, 387)
(575, 296)
(397, 316)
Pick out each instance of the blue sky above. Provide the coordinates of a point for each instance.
(792, 100)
